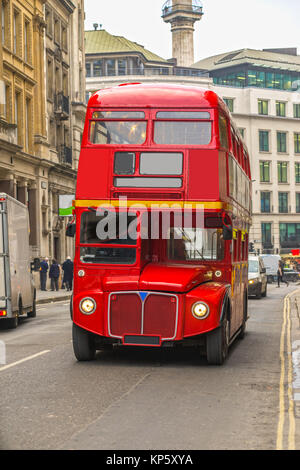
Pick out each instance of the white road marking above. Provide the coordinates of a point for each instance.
(8, 366)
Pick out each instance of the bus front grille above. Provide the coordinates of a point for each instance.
(143, 313)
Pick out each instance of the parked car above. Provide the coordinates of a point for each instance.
(257, 277)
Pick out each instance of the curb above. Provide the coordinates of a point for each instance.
(53, 299)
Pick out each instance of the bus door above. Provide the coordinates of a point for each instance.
(237, 305)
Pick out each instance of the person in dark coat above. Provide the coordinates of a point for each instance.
(67, 267)
(54, 275)
(44, 266)
(280, 274)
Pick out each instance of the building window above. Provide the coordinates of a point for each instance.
(283, 203)
(256, 78)
(264, 172)
(18, 117)
(263, 107)
(50, 79)
(16, 33)
(297, 203)
(88, 69)
(57, 79)
(242, 131)
(282, 168)
(64, 37)
(297, 142)
(281, 142)
(289, 235)
(48, 19)
(264, 141)
(280, 108)
(27, 42)
(28, 126)
(122, 67)
(297, 172)
(237, 79)
(266, 235)
(229, 103)
(97, 68)
(65, 82)
(3, 21)
(265, 201)
(296, 110)
(56, 30)
(111, 67)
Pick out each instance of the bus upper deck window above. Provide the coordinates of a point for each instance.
(118, 128)
(182, 115)
(182, 128)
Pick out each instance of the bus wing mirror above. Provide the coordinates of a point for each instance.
(227, 232)
(71, 229)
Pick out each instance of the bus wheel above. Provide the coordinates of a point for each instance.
(217, 344)
(83, 344)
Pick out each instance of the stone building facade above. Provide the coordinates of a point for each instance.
(42, 112)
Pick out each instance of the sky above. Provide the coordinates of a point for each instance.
(226, 25)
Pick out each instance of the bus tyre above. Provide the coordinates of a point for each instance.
(217, 344)
(83, 344)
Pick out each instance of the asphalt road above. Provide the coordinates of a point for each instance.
(141, 398)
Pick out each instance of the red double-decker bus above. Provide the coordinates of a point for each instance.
(162, 214)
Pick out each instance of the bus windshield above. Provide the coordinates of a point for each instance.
(182, 132)
(118, 132)
(104, 230)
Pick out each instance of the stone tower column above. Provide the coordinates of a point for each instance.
(182, 14)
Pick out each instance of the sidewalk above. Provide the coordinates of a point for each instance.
(43, 297)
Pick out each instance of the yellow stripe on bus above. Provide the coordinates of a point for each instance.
(159, 203)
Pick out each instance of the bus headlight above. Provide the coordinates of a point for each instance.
(200, 310)
(87, 305)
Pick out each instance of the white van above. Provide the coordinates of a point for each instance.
(271, 265)
(17, 292)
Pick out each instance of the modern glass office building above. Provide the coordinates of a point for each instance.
(262, 90)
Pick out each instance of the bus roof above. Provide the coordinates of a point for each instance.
(155, 96)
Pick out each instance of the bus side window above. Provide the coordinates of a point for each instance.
(244, 246)
(223, 131)
(237, 242)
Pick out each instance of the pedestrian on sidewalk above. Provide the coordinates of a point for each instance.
(44, 266)
(67, 267)
(54, 275)
(280, 275)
